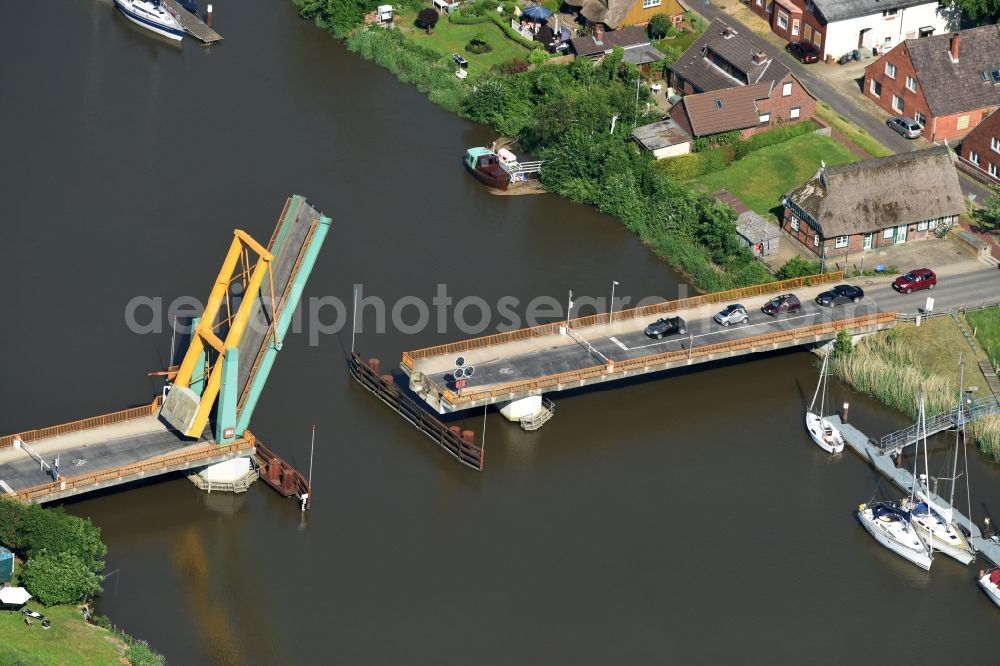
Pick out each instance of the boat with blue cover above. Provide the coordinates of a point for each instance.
(890, 526)
(153, 16)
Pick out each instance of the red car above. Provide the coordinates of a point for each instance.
(803, 51)
(921, 278)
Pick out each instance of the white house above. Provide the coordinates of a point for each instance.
(838, 27)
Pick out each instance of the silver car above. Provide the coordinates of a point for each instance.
(733, 314)
(908, 127)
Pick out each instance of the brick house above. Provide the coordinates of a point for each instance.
(615, 14)
(875, 203)
(730, 83)
(836, 27)
(634, 41)
(981, 148)
(947, 83)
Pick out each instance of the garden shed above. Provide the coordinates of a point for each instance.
(757, 233)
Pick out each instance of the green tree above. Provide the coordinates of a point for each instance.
(989, 214)
(52, 531)
(11, 519)
(61, 578)
(798, 267)
(427, 18)
(980, 11)
(658, 26)
(843, 345)
(612, 63)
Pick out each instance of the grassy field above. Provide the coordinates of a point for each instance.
(760, 178)
(986, 324)
(682, 41)
(69, 640)
(854, 134)
(449, 38)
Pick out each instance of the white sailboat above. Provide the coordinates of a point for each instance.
(151, 15)
(824, 433)
(935, 517)
(990, 582)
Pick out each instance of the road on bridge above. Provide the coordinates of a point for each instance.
(555, 353)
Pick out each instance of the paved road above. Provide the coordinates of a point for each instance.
(829, 93)
(953, 291)
(25, 471)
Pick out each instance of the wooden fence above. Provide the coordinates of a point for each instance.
(621, 315)
(83, 424)
(640, 362)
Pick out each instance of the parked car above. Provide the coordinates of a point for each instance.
(842, 293)
(732, 314)
(908, 127)
(804, 52)
(781, 304)
(921, 278)
(666, 326)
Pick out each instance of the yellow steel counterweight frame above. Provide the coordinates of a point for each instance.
(240, 247)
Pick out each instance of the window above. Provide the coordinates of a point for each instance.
(890, 12)
(841, 241)
(911, 84)
(897, 104)
(889, 233)
(782, 20)
(974, 157)
(795, 112)
(646, 4)
(815, 240)
(817, 39)
(890, 70)
(795, 27)
(795, 223)
(786, 89)
(962, 123)
(920, 118)
(876, 88)
(933, 224)
(765, 118)
(994, 169)
(760, 3)
(995, 144)
(922, 226)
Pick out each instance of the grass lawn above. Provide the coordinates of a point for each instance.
(852, 132)
(986, 324)
(686, 39)
(760, 178)
(70, 640)
(451, 38)
(940, 342)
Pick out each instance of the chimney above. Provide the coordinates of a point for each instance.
(728, 32)
(759, 57)
(953, 45)
(598, 34)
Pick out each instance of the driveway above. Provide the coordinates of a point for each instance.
(849, 106)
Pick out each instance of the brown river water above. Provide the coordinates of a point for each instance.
(683, 519)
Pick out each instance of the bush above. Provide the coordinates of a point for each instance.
(798, 267)
(780, 134)
(427, 18)
(61, 578)
(537, 57)
(467, 16)
(478, 44)
(715, 140)
(659, 26)
(34, 530)
(140, 654)
(843, 345)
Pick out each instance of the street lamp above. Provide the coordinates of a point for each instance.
(569, 308)
(611, 314)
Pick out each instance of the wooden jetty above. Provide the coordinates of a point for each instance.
(870, 451)
(192, 25)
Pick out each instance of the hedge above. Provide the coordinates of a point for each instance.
(500, 22)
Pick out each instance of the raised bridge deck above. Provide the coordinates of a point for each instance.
(101, 452)
(193, 25)
(542, 359)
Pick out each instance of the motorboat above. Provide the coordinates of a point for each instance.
(990, 582)
(825, 434)
(153, 16)
(890, 526)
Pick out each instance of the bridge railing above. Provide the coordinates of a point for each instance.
(621, 315)
(640, 362)
(201, 453)
(83, 424)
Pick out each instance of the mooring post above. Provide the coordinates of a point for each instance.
(843, 416)
(987, 528)
(208, 16)
(899, 457)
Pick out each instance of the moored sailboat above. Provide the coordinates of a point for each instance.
(153, 16)
(824, 433)
(890, 526)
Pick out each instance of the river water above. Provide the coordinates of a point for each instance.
(687, 518)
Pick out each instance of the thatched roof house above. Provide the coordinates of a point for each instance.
(877, 202)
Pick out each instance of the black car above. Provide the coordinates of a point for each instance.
(666, 326)
(842, 293)
(803, 52)
(783, 303)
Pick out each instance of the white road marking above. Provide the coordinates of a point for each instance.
(682, 338)
(618, 342)
(7, 489)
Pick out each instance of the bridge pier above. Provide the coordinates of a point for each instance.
(515, 410)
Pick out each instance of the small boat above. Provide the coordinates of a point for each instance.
(153, 16)
(990, 582)
(824, 433)
(890, 525)
(499, 169)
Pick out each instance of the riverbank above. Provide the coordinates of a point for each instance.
(69, 640)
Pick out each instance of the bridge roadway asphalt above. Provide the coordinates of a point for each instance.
(101, 448)
(539, 357)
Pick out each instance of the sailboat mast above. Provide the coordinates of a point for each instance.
(959, 425)
(916, 450)
(822, 374)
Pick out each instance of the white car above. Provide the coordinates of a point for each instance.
(733, 314)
